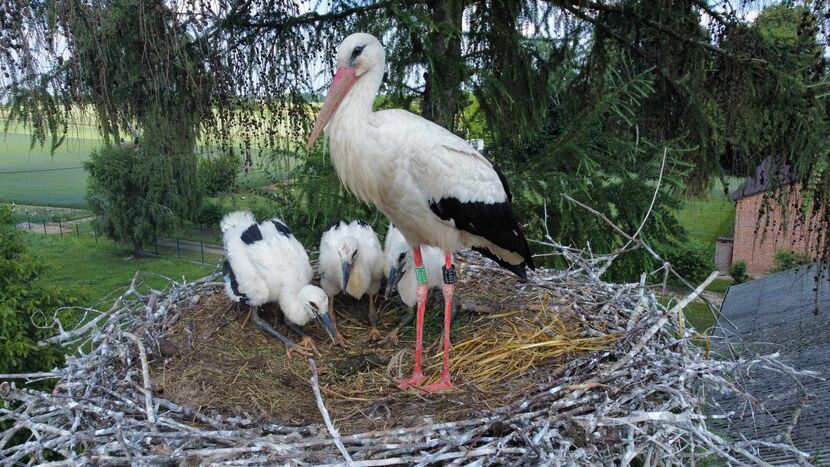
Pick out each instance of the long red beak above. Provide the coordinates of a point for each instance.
(343, 80)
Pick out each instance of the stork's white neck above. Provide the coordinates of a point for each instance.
(357, 104)
(349, 138)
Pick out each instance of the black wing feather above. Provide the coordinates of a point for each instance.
(335, 224)
(282, 228)
(251, 234)
(494, 221)
(231, 277)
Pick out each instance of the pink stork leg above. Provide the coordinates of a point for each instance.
(444, 383)
(423, 290)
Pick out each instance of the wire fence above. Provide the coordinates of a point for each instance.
(194, 251)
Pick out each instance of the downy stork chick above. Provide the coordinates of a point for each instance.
(401, 275)
(435, 187)
(351, 261)
(265, 263)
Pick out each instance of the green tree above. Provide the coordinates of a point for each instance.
(26, 305)
(128, 193)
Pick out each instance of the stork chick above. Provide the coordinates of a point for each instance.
(265, 263)
(351, 261)
(401, 275)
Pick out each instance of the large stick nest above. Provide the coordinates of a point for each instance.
(563, 369)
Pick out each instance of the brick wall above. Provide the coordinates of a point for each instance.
(774, 233)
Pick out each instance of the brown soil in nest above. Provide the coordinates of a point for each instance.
(508, 340)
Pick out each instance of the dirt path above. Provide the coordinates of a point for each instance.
(210, 249)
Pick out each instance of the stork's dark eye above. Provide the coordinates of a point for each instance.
(401, 257)
(314, 305)
(354, 254)
(357, 51)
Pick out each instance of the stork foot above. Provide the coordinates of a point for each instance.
(415, 381)
(290, 350)
(340, 340)
(375, 335)
(307, 344)
(391, 338)
(442, 385)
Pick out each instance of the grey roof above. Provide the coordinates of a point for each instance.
(788, 312)
(763, 179)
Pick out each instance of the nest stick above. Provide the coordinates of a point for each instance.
(145, 374)
(315, 385)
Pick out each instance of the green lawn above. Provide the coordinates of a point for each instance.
(707, 219)
(97, 269)
(34, 176)
(719, 285)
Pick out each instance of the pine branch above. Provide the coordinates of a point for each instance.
(623, 11)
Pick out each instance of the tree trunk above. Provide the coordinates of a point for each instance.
(442, 90)
(138, 250)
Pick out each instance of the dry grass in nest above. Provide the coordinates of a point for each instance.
(215, 361)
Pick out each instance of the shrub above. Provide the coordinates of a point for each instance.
(209, 214)
(218, 175)
(26, 304)
(786, 259)
(692, 260)
(738, 272)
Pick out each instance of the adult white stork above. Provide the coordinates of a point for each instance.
(351, 261)
(266, 263)
(401, 274)
(430, 183)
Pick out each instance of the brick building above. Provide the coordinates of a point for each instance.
(758, 238)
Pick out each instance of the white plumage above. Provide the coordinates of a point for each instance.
(266, 263)
(243, 280)
(431, 184)
(351, 261)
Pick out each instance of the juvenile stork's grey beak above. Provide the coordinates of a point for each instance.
(347, 270)
(391, 282)
(325, 321)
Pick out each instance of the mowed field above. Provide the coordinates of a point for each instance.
(35, 176)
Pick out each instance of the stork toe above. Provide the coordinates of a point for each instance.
(340, 340)
(375, 335)
(391, 338)
(307, 344)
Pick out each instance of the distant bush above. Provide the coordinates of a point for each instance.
(210, 213)
(786, 259)
(738, 272)
(692, 260)
(218, 175)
